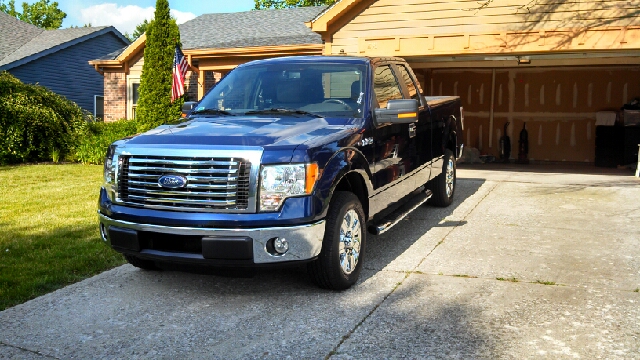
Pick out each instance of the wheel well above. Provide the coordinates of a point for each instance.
(354, 183)
(451, 144)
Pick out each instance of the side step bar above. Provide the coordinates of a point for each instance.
(392, 219)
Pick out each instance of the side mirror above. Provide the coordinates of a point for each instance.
(187, 107)
(403, 111)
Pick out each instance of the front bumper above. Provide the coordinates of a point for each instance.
(211, 245)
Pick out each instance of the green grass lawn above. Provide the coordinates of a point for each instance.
(49, 229)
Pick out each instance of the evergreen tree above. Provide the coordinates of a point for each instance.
(154, 104)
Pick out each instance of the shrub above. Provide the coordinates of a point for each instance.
(97, 137)
(36, 123)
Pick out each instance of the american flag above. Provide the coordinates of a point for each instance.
(180, 66)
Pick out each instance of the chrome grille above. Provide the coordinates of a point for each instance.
(212, 183)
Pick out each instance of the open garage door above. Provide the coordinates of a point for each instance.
(557, 104)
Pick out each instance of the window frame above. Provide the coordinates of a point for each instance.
(131, 80)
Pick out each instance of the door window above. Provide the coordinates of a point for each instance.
(385, 86)
(411, 85)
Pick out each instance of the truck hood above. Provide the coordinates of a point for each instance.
(286, 131)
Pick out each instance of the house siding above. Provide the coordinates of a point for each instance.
(402, 27)
(67, 72)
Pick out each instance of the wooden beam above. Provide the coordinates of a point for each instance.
(264, 51)
(200, 84)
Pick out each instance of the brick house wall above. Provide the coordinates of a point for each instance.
(115, 96)
(115, 92)
(191, 85)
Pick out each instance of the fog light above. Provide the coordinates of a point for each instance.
(280, 245)
(103, 232)
(277, 246)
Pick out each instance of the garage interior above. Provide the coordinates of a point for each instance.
(564, 108)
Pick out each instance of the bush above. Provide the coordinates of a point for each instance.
(36, 124)
(93, 145)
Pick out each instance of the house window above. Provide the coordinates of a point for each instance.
(98, 107)
(133, 95)
(136, 94)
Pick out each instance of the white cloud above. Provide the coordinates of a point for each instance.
(124, 18)
(182, 17)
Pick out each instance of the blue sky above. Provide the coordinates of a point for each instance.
(125, 15)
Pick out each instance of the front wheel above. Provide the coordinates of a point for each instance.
(340, 262)
(443, 186)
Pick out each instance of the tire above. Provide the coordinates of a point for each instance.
(444, 185)
(139, 263)
(340, 262)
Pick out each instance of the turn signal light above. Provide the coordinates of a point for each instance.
(312, 177)
(407, 115)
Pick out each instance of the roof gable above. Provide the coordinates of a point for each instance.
(49, 41)
(333, 14)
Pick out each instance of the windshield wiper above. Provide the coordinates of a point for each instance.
(282, 111)
(210, 112)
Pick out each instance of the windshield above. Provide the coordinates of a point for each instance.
(290, 88)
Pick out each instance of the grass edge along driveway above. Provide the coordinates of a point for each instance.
(49, 229)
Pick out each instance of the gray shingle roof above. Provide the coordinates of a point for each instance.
(15, 33)
(113, 55)
(48, 39)
(21, 42)
(251, 28)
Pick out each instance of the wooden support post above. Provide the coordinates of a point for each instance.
(200, 84)
(493, 95)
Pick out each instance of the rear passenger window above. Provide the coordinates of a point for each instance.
(413, 89)
(385, 86)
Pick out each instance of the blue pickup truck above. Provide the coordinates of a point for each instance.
(286, 160)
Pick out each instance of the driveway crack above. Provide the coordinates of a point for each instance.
(334, 351)
(27, 350)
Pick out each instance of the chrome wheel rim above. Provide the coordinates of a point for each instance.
(449, 178)
(349, 242)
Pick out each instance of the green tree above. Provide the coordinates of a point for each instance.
(140, 29)
(281, 4)
(154, 105)
(41, 13)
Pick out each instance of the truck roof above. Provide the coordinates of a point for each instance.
(315, 58)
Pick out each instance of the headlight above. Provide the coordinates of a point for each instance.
(110, 162)
(278, 182)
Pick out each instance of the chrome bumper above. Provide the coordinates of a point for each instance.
(305, 241)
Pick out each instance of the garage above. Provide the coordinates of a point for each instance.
(562, 69)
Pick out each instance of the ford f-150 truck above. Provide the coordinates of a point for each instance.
(285, 160)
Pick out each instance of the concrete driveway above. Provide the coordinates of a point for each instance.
(533, 263)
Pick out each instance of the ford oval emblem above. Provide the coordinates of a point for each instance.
(172, 181)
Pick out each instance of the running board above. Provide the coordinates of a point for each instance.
(394, 218)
